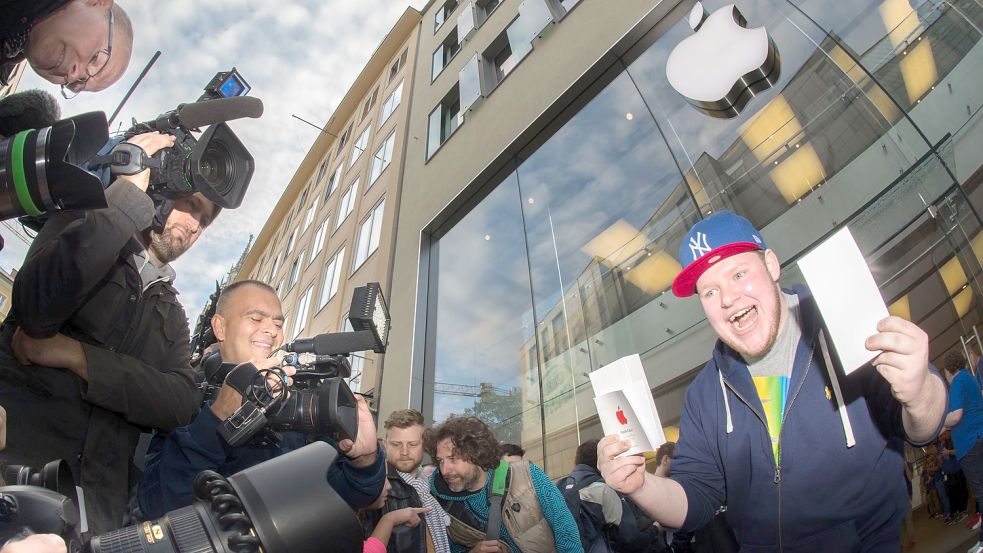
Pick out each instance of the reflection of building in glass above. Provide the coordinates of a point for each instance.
(553, 208)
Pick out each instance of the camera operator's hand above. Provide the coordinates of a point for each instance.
(58, 351)
(36, 543)
(229, 400)
(151, 142)
(363, 450)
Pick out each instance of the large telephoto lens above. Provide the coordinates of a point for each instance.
(284, 505)
(40, 169)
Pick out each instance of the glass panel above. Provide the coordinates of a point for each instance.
(484, 319)
(332, 276)
(434, 139)
(359, 146)
(382, 157)
(391, 102)
(534, 16)
(469, 82)
(465, 22)
(520, 40)
(302, 308)
(603, 202)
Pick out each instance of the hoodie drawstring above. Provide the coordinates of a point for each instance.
(723, 390)
(841, 407)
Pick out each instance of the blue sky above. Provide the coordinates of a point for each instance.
(299, 56)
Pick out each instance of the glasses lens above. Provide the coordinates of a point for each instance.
(97, 63)
(72, 90)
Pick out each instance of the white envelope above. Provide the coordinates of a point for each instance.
(847, 296)
(625, 378)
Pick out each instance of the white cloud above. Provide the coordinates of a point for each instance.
(300, 57)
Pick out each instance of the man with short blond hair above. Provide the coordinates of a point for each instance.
(404, 454)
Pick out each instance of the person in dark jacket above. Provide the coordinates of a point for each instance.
(96, 344)
(608, 521)
(248, 324)
(804, 460)
(83, 45)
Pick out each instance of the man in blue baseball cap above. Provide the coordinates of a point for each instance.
(804, 460)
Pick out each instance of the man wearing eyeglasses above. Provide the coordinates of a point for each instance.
(82, 45)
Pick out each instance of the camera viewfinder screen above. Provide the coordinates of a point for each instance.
(233, 87)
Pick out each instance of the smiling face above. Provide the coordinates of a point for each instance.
(61, 45)
(459, 474)
(250, 324)
(743, 302)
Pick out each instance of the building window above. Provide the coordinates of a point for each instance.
(391, 103)
(443, 12)
(333, 181)
(295, 271)
(310, 213)
(370, 102)
(444, 54)
(303, 307)
(279, 287)
(505, 52)
(303, 200)
(343, 139)
(398, 64)
(332, 276)
(322, 231)
(485, 8)
(276, 261)
(322, 170)
(444, 120)
(382, 157)
(368, 236)
(290, 242)
(347, 203)
(359, 146)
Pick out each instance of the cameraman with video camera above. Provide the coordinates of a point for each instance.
(96, 344)
(82, 45)
(248, 324)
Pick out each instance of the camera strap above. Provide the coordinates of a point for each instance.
(126, 158)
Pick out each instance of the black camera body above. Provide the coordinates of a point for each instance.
(319, 404)
(42, 502)
(218, 165)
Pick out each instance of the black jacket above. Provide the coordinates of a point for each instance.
(401, 496)
(79, 279)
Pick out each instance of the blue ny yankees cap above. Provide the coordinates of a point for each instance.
(717, 237)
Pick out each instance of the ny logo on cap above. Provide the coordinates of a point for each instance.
(698, 245)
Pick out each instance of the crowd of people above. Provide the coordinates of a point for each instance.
(778, 451)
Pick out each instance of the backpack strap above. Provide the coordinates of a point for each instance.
(499, 487)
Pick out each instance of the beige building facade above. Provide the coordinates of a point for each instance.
(333, 228)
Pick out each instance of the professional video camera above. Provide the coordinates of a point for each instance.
(216, 164)
(42, 158)
(320, 402)
(284, 505)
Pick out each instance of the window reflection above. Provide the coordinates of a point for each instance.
(483, 319)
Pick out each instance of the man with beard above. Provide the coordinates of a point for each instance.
(404, 453)
(96, 344)
(803, 460)
(534, 516)
(82, 45)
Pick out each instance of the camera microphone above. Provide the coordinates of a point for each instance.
(318, 345)
(209, 112)
(31, 109)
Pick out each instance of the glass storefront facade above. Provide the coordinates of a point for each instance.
(565, 265)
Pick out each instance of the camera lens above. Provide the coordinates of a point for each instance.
(217, 166)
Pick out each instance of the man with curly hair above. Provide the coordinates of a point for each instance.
(535, 518)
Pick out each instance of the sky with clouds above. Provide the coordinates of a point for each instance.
(299, 56)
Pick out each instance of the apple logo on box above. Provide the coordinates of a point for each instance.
(725, 64)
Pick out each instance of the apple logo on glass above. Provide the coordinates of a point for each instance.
(621, 416)
(724, 64)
